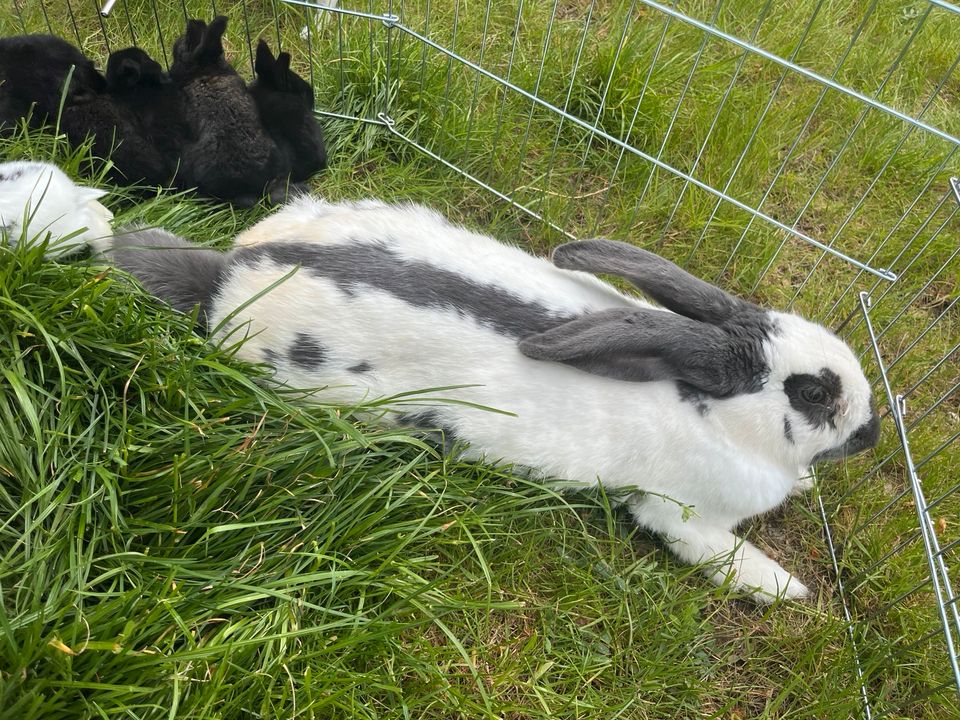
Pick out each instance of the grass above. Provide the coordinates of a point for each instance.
(180, 540)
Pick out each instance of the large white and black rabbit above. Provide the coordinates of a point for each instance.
(709, 402)
(37, 198)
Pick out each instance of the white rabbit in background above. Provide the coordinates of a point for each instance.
(37, 198)
(710, 400)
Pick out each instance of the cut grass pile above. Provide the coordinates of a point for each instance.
(179, 540)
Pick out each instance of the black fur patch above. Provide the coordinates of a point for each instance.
(815, 396)
(787, 429)
(437, 431)
(361, 367)
(690, 394)
(306, 352)
(271, 357)
(15, 175)
(353, 265)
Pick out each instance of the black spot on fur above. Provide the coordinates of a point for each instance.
(436, 430)
(360, 367)
(271, 357)
(306, 352)
(11, 176)
(815, 396)
(418, 283)
(787, 429)
(690, 394)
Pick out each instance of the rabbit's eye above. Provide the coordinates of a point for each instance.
(814, 395)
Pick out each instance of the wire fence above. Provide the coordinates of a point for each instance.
(804, 166)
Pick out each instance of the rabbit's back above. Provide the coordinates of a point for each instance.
(418, 235)
(231, 155)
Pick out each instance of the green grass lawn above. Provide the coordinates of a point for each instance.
(178, 540)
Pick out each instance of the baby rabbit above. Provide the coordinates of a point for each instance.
(37, 198)
(708, 410)
(232, 156)
(285, 103)
(33, 72)
(150, 100)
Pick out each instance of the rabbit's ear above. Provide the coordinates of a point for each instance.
(211, 47)
(89, 194)
(663, 281)
(649, 344)
(265, 61)
(194, 34)
(283, 63)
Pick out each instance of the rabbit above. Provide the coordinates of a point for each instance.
(116, 135)
(707, 411)
(285, 103)
(151, 102)
(37, 198)
(232, 157)
(33, 72)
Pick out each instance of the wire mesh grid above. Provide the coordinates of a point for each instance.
(750, 142)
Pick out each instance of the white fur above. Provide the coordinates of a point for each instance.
(727, 465)
(42, 195)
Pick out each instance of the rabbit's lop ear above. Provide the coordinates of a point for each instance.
(650, 344)
(663, 281)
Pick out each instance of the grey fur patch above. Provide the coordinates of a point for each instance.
(648, 344)
(176, 271)
(11, 177)
(668, 284)
(306, 352)
(361, 367)
(355, 265)
(690, 394)
(787, 429)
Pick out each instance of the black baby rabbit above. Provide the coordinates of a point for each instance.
(285, 103)
(232, 156)
(138, 84)
(33, 72)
